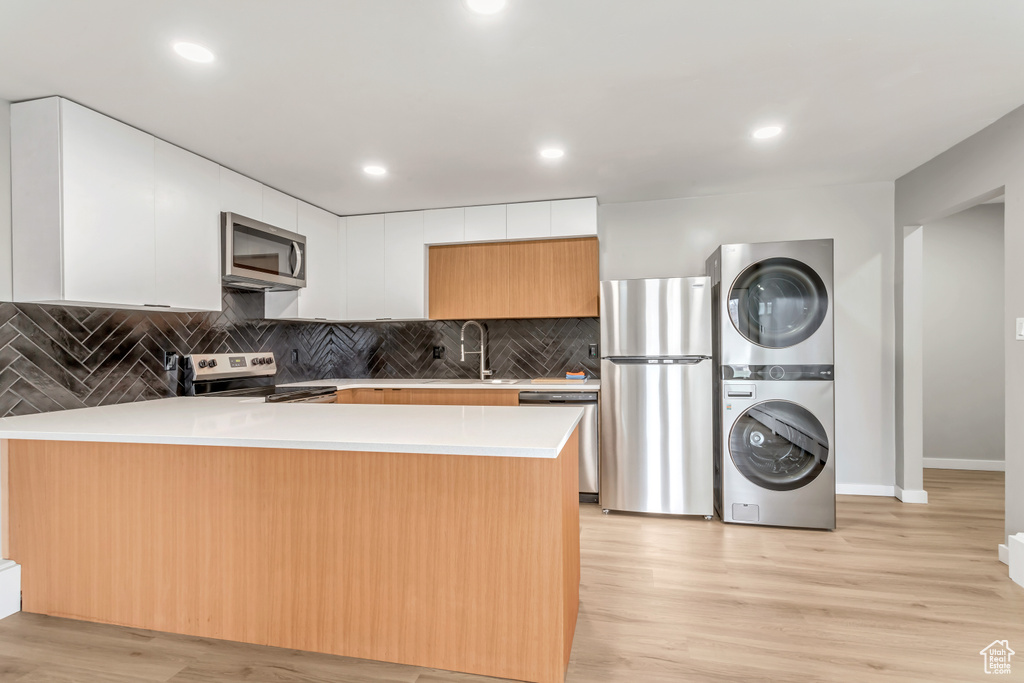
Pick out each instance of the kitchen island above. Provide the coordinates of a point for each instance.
(440, 536)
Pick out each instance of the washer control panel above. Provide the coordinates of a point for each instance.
(780, 373)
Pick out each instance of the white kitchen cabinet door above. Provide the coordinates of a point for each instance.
(365, 274)
(188, 266)
(240, 195)
(280, 210)
(323, 296)
(485, 223)
(109, 243)
(444, 226)
(342, 260)
(318, 300)
(574, 217)
(405, 266)
(529, 220)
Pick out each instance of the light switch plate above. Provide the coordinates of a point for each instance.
(1020, 329)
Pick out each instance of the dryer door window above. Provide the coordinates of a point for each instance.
(778, 302)
(778, 445)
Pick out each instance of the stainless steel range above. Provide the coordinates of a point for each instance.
(246, 375)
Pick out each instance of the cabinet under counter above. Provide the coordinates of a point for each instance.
(461, 562)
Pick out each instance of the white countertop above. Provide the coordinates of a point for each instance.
(517, 385)
(508, 431)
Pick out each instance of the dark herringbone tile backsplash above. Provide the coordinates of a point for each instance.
(55, 357)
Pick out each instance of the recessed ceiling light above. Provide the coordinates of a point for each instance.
(766, 132)
(193, 52)
(485, 6)
(552, 153)
(375, 170)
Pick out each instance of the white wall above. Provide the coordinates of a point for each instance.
(6, 283)
(962, 341)
(978, 167)
(674, 237)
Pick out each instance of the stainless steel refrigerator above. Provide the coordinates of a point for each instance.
(656, 396)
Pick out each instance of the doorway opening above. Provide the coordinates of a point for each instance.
(963, 379)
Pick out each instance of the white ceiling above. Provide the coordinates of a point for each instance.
(650, 98)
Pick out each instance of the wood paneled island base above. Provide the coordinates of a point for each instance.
(466, 563)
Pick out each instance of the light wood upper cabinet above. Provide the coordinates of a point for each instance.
(530, 220)
(469, 281)
(554, 279)
(531, 279)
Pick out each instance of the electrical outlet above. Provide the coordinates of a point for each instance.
(438, 353)
(593, 351)
(1020, 329)
(295, 355)
(170, 361)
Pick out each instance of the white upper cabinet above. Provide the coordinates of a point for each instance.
(485, 223)
(323, 297)
(365, 272)
(108, 183)
(574, 217)
(405, 269)
(342, 261)
(530, 220)
(444, 226)
(188, 266)
(83, 207)
(240, 195)
(280, 210)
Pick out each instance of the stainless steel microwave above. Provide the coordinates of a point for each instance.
(259, 256)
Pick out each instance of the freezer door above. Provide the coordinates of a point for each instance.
(664, 317)
(657, 436)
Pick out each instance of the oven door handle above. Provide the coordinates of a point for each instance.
(298, 259)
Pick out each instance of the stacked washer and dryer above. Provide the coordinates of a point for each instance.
(774, 389)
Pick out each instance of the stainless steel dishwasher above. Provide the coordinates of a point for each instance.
(589, 449)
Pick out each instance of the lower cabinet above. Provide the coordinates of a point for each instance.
(430, 397)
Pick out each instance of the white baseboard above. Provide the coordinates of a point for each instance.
(10, 588)
(1004, 553)
(912, 496)
(865, 490)
(965, 464)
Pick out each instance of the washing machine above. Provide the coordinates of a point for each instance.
(773, 343)
(777, 463)
(774, 303)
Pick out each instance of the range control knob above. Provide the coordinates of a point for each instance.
(212, 363)
(269, 360)
(202, 363)
(255, 361)
(777, 372)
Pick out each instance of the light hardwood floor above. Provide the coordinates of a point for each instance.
(898, 593)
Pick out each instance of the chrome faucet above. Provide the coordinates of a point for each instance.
(484, 373)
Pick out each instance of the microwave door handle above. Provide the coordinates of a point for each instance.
(298, 259)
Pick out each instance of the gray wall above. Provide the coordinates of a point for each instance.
(674, 237)
(6, 286)
(963, 341)
(956, 179)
